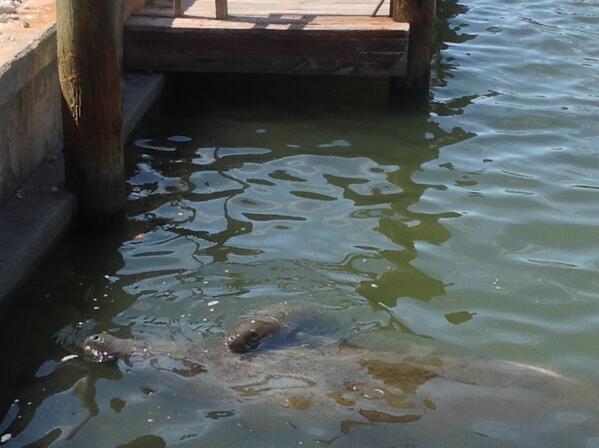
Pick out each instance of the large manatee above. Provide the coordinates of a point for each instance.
(329, 392)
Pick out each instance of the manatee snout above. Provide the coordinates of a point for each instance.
(237, 344)
(97, 348)
(247, 335)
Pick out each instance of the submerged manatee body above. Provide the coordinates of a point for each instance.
(104, 347)
(282, 321)
(327, 393)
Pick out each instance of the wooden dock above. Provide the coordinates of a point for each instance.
(333, 37)
(392, 39)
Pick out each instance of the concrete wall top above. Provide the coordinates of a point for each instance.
(28, 46)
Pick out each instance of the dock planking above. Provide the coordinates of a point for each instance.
(207, 8)
(269, 36)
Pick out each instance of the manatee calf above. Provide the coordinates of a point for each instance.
(282, 320)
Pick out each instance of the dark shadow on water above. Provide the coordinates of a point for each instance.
(61, 294)
(201, 93)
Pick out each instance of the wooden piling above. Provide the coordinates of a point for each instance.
(421, 15)
(222, 9)
(178, 8)
(89, 44)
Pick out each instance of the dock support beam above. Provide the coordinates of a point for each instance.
(178, 8)
(222, 9)
(89, 38)
(421, 15)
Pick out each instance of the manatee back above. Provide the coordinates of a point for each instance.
(310, 325)
(282, 325)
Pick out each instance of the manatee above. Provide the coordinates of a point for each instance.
(284, 321)
(335, 390)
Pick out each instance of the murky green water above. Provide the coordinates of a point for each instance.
(466, 226)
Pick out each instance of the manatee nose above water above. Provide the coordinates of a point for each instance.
(247, 334)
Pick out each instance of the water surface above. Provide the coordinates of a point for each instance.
(467, 225)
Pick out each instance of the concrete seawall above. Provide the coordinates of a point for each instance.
(35, 209)
(30, 120)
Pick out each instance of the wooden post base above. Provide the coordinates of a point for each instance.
(421, 15)
(89, 63)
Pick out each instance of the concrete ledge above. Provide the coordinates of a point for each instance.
(41, 212)
(32, 221)
(29, 46)
(140, 92)
(35, 208)
(30, 105)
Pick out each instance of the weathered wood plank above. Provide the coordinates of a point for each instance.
(305, 23)
(289, 45)
(207, 8)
